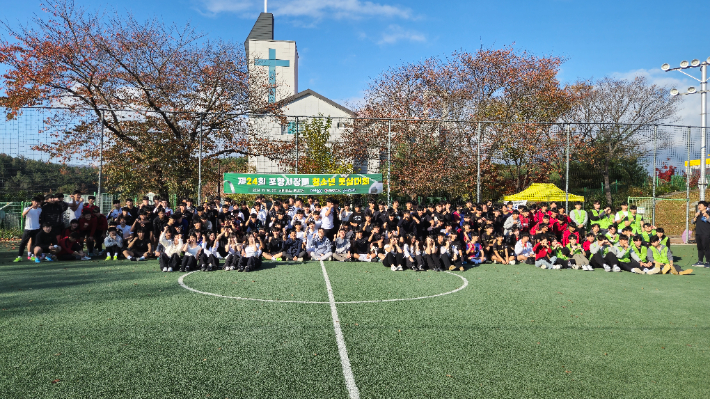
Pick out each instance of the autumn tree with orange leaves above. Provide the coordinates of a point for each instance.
(155, 88)
(434, 153)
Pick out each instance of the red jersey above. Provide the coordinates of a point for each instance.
(87, 226)
(541, 252)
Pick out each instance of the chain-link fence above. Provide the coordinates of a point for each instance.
(420, 160)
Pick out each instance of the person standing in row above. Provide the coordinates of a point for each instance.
(702, 234)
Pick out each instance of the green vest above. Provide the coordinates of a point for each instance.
(627, 255)
(664, 241)
(574, 251)
(636, 222)
(578, 216)
(660, 256)
(647, 236)
(560, 254)
(640, 252)
(613, 239)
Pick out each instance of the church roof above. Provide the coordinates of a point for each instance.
(263, 29)
(309, 92)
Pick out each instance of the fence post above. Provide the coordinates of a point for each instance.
(687, 189)
(389, 159)
(655, 150)
(567, 129)
(478, 163)
(199, 166)
(101, 164)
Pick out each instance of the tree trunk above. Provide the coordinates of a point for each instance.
(607, 186)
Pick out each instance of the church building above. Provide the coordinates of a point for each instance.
(279, 58)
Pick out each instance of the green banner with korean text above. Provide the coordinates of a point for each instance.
(254, 183)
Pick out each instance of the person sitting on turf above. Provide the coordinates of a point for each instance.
(663, 258)
(191, 250)
(648, 232)
(273, 246)
(208, 256)
(431, 252)
(113, 243)
(321, 247)
(46, 245)
(621, 256)
(645, 266)
(251, 255)
(392, 256)
(599, 250)
(234, 253)
(456, 253)
(360, 248)
(524, 250)
(168, 253)
(292, 248)
(544, 258)
(71, 248)
(500, 253)
(412, 252)
(611, 235)
(576, 254)
(474, 250)
(342, 246)
(138, 247)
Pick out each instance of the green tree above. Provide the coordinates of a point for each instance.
(321, 154)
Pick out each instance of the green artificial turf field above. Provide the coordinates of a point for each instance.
(123, 329)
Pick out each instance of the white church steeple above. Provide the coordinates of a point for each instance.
(279, 58)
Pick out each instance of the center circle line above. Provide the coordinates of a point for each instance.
(185, 286)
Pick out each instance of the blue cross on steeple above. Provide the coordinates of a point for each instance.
(272, 63)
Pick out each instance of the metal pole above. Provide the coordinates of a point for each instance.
(101, 163)
(297, 145)
(567, 172)
(478, 163)
(199, 167)
(703, 125)
(655, 152)
(687, 189)
(389, 159)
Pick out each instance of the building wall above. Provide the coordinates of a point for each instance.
(286, 77)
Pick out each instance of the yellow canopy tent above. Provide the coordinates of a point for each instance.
(538, 192)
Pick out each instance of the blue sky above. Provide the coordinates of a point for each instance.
(344, 43)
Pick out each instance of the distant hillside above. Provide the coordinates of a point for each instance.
(22, 178)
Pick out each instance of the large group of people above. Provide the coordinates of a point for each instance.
(226, 235)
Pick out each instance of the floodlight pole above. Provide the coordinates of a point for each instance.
(389, 159)
(702, 184)
(101, 162)
(567, 172)
(478, 163)
(199, 167)
(655, 151)
(687, 190)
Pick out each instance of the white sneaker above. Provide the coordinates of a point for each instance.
(512, 262)
(400, 268)
(142, 258)
(165, 269)
(616, 269)
(543, 266)
(607, 268)
(170, 269)
(85, 258)
(394, 268)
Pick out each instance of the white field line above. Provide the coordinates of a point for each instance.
(344, 360)
(185, 286)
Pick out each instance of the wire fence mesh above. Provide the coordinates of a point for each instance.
(653, 167)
